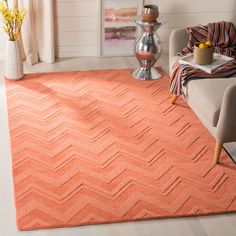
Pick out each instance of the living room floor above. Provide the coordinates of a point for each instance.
(193, 226)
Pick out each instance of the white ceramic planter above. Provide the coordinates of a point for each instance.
(13, 61)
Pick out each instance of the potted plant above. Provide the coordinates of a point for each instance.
(12, 23)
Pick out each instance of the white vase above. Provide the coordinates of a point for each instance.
(13, 61)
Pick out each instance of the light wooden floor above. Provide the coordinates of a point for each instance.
(221, 225)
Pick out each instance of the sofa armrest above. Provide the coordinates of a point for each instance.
(178, 40)
(226, 127)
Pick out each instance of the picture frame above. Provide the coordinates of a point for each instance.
(118, 28)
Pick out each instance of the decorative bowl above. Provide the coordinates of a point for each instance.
(150, 12)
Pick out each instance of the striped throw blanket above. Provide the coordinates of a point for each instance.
(223, 35)
(183, 73)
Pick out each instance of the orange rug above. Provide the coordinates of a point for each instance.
(99, 146)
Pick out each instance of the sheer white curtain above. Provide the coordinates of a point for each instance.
(38, 31)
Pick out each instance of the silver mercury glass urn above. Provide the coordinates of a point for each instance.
(147, 47)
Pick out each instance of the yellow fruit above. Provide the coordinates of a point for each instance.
(209, 44)
(202, 45)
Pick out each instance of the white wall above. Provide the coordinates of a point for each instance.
(77, 27)
(78, 21)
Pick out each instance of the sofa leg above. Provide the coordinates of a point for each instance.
(174, 98)
(218, 149)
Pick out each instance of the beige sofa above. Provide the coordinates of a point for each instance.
(213, 100)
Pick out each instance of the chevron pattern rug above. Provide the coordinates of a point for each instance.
(99, 147)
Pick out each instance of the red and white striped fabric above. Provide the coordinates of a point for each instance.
(196, 34)
(223, 36)
(183, 73)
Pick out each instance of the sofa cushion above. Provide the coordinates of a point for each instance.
(207, 95)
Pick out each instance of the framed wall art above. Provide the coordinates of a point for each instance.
(118, 28)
